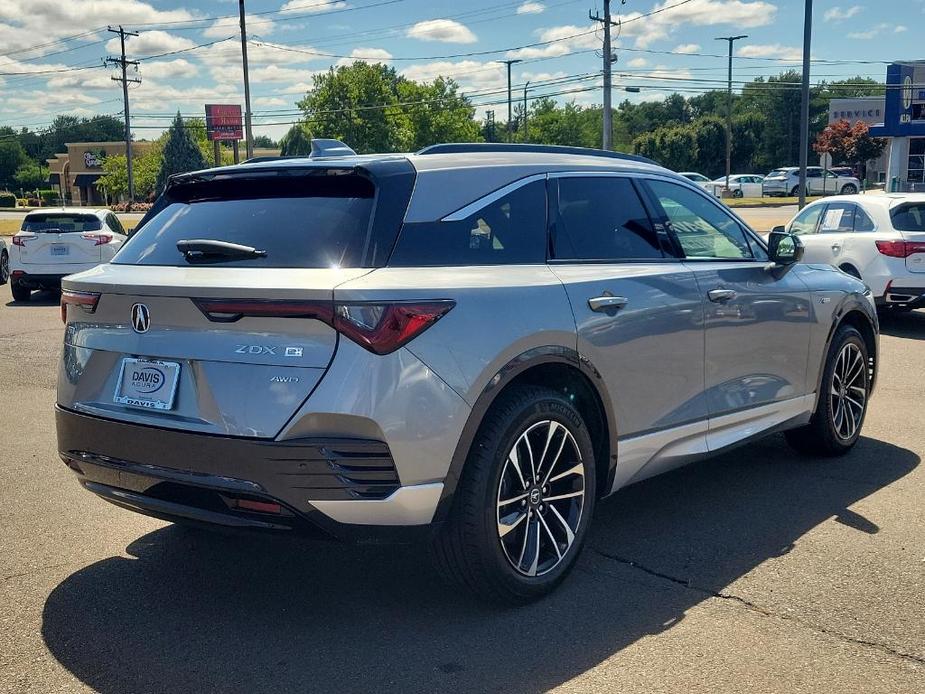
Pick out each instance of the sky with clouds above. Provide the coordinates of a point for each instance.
(189, 53)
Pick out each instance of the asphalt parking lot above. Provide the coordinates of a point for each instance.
(759, 571)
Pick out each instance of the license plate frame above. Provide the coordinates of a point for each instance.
(143, 373)
(59, 250)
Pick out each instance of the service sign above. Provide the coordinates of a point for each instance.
(224, 122)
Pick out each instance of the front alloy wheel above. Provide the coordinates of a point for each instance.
(848, 393)
(4, 267)
(540, 498)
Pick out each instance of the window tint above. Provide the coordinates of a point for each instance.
(862, 222)
(909, 217)
(66, 223)
(602, 218)
(838, 217)
(805, 222)
(702, 227)
(304, 221)
(508, 231)
(114, 223)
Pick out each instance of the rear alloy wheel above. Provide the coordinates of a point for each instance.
(20, 293)
(4, 268)
(842, 402)
(522, 508)
(737, 193)
(849, 189)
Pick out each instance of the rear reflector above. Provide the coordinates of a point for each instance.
(379, 327)
(900, 249)
(86, 300)
(258, 506)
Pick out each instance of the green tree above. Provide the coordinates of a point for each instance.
(710, 136)
(12, 156)
(296, 141)
(181, 153)
(264, 142)
(436, 112)
(115, 176)
(746, 140)
(31, 176)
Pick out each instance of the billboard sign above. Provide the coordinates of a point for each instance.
(223, 122)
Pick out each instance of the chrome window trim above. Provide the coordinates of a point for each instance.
(484, 201)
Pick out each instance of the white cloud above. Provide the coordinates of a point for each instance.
(900, 29)
(443, 30)
(270, 101)
(84, 81)
(687, 48)
(150, 43)
(837, 14)
(870, 33)
(297, 88)
(169, 69)
(646, 30)
(531, 8)
(559, 40)
(311, 6)
(638, 62)
(369, 55)
(471, 74)
(772, 50)
(227, 52)
(233, 74)
(230, 26)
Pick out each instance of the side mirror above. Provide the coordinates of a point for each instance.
(784, 248)
(779, 229)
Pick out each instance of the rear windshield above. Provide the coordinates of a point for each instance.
(315, 220)
(777, 172)
(59, 221)
(909, 217)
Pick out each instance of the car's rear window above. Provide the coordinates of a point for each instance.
(58, 221)
(909, 217)
(301, 221)
(777, 172)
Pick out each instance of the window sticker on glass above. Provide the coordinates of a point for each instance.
(832, 220)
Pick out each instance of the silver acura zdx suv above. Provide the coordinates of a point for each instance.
(469, 345)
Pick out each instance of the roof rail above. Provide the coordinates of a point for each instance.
(462, 147)
(321, 147)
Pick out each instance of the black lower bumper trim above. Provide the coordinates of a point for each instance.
(40, 281)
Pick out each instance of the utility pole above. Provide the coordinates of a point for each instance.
(248, 134)
(731, 40)
(804, 105)
(490, 126)
(510, 114)
(526, 132)
(125, 79)
(606, 139)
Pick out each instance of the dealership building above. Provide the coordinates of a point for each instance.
(900, 118)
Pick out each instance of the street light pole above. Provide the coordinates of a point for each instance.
(526, 132)
(731, 40)
(804, 104)
(510, 111)
(248, 133)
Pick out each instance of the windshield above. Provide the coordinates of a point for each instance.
(777, 173)
(909, 217)
(306, 221)
(59, 221)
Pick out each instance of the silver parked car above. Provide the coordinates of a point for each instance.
(472, 345)
(786, 181)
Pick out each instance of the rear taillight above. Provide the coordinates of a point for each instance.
(98, 239)
(900, 249)
(86, 300)
(379, 327)
(21, 240)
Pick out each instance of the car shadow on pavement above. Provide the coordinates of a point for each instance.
(191, 611)
(909, 325)
(42, 298)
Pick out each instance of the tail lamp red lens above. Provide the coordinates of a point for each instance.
(86, 300)
(379, 327)
(900, 249)
(21, 240)
(98, 239)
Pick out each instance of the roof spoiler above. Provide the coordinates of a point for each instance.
(461, 147)
(321, 148)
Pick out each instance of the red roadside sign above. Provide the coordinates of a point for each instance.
(224, 122)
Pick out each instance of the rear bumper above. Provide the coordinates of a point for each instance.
(897, 294)
(347, 488)
(37, 281)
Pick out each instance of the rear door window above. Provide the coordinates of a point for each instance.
(60, 222)
(508, 231)
(602, 218)
(909, 217)
(838, 218)
(301, 221)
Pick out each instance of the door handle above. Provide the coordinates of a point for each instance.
(836, 247)
(607, 303)
(721, 295)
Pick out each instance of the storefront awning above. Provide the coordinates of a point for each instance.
(54, 178)
(86, 179)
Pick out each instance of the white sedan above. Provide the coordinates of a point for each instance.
(741, 185)
(877, 238)
(55, 243)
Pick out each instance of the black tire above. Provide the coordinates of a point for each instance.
(4, 268)
(827, 434)
(849, 189)
(469, 550)
(20, 293)
(737, 193)
(795, 192)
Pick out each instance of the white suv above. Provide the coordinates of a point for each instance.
(55, 243)
(786, 181)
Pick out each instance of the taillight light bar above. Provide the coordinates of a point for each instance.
(86, 300)
(380, 327)
(900, 249)
(100, 239)
(21, 240)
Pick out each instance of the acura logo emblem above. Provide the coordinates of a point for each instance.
(141, 318)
